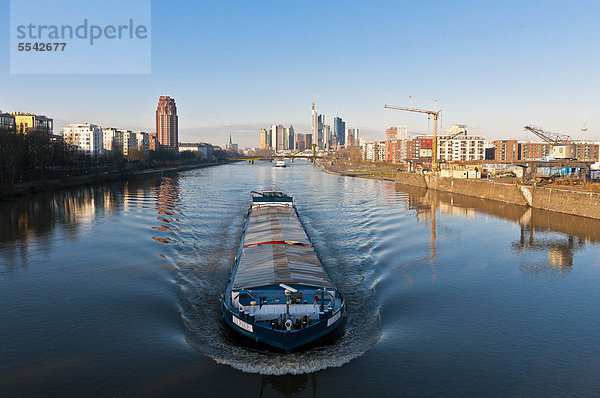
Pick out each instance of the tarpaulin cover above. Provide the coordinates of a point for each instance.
(274, 223)
(268, 264)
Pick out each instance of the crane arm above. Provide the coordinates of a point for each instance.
(451, 137)
(434, 142)
(553, 138)
(401, 108)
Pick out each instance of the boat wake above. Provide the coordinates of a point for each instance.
(200, 251)
(200, 300)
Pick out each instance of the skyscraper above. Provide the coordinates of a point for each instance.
(166, 123)
(263, 139)
(315, 124)
(354, 133)
(273, 131)
(277, 139)
(286, 138)
(327, 140)
(320, 136)
(291, 138)
(339, 129)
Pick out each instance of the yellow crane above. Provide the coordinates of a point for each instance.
(434, 143)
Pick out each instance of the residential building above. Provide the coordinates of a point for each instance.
(28, 121)
(490, 151)
(206, 150)
(85, 136)
(400, 149)
(112, 139)
(535, 150)
(457, 145)
(153, 141)
(396, 144)
(189, 147)
(507, 151)
(143, 140)
(129, 141)
(7, 122)
(375, 151)
(510, 151)
(167, 123)
(587, 151)
(391, 135)
(420, 148)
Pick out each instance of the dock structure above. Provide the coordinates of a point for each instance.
(530, 168)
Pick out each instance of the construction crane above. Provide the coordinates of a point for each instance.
(435, 113)
(553, 138)
(452, 136)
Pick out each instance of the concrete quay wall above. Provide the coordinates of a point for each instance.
(414, 179)
(585, 204)
(484, 189)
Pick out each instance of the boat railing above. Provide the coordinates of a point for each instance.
(275, 311)
(269, 306)
(320, 298)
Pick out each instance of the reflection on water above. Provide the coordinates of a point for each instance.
(446, 294)
(68, 214)
(560, 235)
(289, 385)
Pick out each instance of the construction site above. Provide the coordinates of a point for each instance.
(555, 174)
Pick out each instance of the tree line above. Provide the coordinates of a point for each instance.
(36, 157)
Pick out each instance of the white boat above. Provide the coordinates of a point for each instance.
(280, 163)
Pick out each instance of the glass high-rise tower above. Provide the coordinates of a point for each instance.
(339, 130)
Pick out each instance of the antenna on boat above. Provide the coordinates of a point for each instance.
(258, 193)
(286, 287)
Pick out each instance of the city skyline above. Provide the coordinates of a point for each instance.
(493, 67)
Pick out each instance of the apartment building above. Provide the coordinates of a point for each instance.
(87, 137)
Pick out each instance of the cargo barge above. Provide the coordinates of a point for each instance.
(280, 295)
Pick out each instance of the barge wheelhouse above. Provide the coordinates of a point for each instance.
(280, 294)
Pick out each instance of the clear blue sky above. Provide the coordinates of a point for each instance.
(236, 66)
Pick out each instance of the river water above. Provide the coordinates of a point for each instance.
(114, 290)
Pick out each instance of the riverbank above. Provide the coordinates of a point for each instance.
(375, 173)
(574, 202)
(24, 189)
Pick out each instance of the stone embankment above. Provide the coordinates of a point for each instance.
(579, 203)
